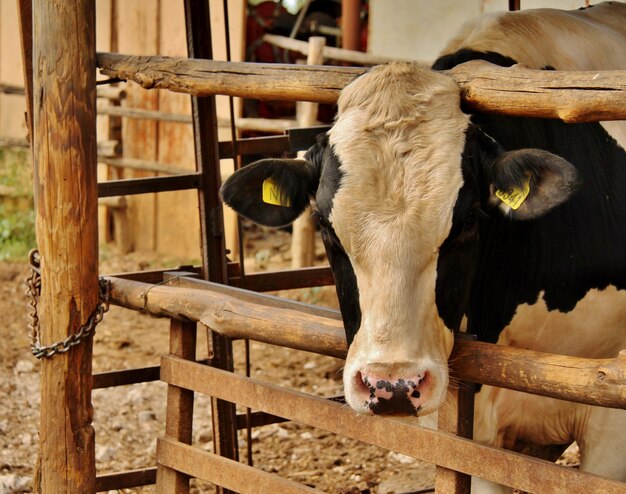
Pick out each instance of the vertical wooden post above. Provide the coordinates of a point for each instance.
(457, 417)
(179, 419)
(64, 144)
(303, 231)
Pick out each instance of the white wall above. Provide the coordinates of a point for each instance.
(419, 29)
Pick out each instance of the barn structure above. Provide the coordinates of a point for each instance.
(221, 296)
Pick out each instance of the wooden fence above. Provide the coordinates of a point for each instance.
(242, 314)
(70, 287)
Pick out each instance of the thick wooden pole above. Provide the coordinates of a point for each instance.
(569, 95)
(64, 144)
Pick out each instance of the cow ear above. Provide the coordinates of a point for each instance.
(271, 192)
(528, 183)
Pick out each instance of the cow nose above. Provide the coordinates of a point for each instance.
(388, 395)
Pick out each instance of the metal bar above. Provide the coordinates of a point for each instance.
(124, 377)
(126, 480)
(501, 466)
(222, 471)
(132, 186)
(268, 146)
(156, 275)
(198, 29)
(286, 280)
(257, 419)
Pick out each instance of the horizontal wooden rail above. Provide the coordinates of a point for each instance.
(593, 381)
(568, 95)
(105, 92)
(278, 125)
(330, 52)
(224, 472)
(406, 437)
(105, 148)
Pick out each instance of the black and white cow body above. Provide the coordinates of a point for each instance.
(409, 190)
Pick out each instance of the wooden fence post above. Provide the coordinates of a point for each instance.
(303, 232)
(65, 189)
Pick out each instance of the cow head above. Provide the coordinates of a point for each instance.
(398, 185)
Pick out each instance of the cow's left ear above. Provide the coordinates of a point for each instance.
(528, 183)
(271, 192)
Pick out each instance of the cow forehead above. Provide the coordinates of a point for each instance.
(399, 137)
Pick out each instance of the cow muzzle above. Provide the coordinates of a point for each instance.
(394, 389)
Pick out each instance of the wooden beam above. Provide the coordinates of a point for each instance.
(64, 145)
(179, 408)
(249, 80)
(593, 381)
(224, 472)
(330, 52)
(569, 95)
(400, 435)
(303, 229)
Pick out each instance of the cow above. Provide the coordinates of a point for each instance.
(436, 221)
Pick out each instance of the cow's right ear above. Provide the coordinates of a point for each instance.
(271, 192)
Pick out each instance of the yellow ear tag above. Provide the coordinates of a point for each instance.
(273, 195)
(514, 197)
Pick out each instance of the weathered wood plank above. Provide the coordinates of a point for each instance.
(179, 408)
(223, 471)
(64, 146)
(400, 435)
(594, 381)
(339, 54)
(571, 96)
(250, 80)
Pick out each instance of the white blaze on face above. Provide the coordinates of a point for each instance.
(399, 136)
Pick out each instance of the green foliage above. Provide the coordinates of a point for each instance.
(17, 217)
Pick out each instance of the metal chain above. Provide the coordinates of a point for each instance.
(33, 291)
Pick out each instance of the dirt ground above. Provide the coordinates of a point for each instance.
(129, 418)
